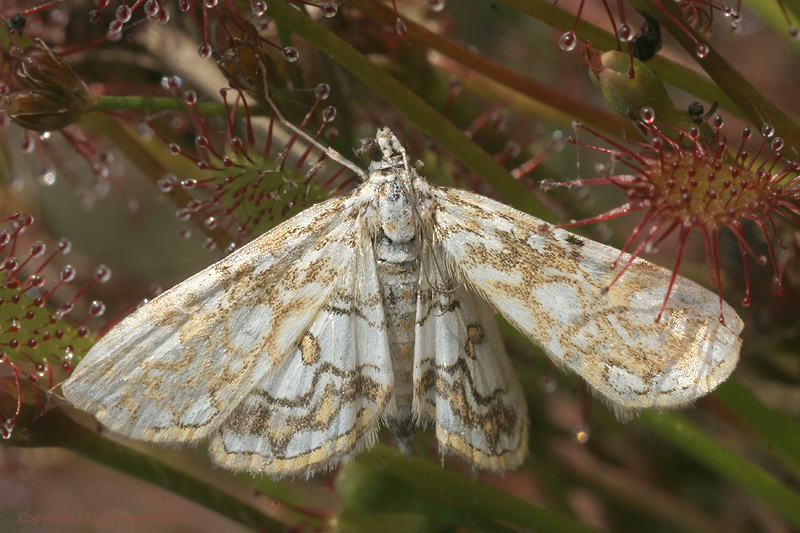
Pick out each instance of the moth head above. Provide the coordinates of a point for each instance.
(386, 152)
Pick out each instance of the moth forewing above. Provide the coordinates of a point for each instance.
(551, 285)
(324, 401)
(177, 367)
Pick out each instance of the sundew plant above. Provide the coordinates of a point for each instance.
(138, 144)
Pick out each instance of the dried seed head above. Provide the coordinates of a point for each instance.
(702, 183)
(53, 95)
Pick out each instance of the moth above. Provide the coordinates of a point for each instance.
(377, 307)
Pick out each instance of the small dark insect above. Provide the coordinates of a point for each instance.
(697, 112)
(17, 23)
(647, 43)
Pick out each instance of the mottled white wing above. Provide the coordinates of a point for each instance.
(324, 402)
(177, 367)
(550, 286)
(463, 380)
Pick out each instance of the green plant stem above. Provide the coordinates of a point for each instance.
(634, 489)
(753, 104)
(428, 119)
(567, 107)
(480, 499)
(677, 75)
(157, 103)
(780, 432)
(770, 10)
(684, 434)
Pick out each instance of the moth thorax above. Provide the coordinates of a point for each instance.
(396, 212)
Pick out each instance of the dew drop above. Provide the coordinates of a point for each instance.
(123, 13)
(777, 143)
(581, 433)
(329, 113)
(746, 133)
(794, 33)
(8, 428)
(648, 114)
(568, 41)
(95, 15)
(195, 205)
(102, 274)
(401, 28)
(151, 8)
(329, 9)
(162, 17)
(291, 54)
(718, 121)
(102, 4)
(26, 143)
(204, 50)
(211, 222)
(48, 178)
(209, 244)
(173, 82)
(767, 130)
(625, 32)
(702, 50)
(97, 308)
(115, 27)
(210, 4)
(322, 91)
(68, 273)
(184, 5)
(259, 7)
(168, 182)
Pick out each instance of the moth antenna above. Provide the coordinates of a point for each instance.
(330, 152)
